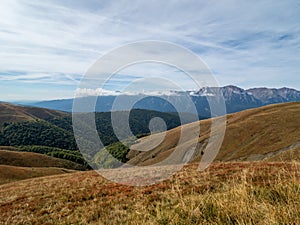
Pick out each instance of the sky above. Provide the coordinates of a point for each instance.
(47, 46)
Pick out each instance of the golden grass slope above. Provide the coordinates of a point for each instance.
(225, 193)
(15, 113)
(15, 173)
(16, 166)
(292, 154)
(30, 159)
(251, 135)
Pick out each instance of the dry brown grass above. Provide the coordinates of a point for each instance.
(289, 155)
(16, 166)
(250, 135)
(226, 193)
(30, 159)
(15, 173)
(260, 131)
(15, 113)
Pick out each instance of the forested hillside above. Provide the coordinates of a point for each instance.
(51, 132)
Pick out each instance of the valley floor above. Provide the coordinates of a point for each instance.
(226, 193)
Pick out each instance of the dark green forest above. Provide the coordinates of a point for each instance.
(54, 136)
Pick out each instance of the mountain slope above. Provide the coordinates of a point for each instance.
(50, 132)
(15, 113)
(37, 126)
(15, 166)
(251, 135)
(236, 99)
(29, 159)
(272, 95)
(16, 173)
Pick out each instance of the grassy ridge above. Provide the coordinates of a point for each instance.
(14, 113)
(251, 135)
(15, 165)
(71, 155)
(29, 159)
(16, 173)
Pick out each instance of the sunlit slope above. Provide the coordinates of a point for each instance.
(15, 166)
(290, 154)
(16, 173)
(15, 113)
(30, 159)
(251, 135)
(226, 193)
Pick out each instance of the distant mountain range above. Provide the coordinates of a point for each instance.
(236, 99)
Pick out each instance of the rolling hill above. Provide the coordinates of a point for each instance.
(37, 126)
(258, 134)
(15, 166)
(229, 192)
(10, 174)
(15, 113)
(30, 159)
(50, 132)
(273, 128)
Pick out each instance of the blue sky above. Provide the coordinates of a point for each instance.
(46, 46)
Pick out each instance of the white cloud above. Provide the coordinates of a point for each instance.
(84, 92)
(81, 92)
